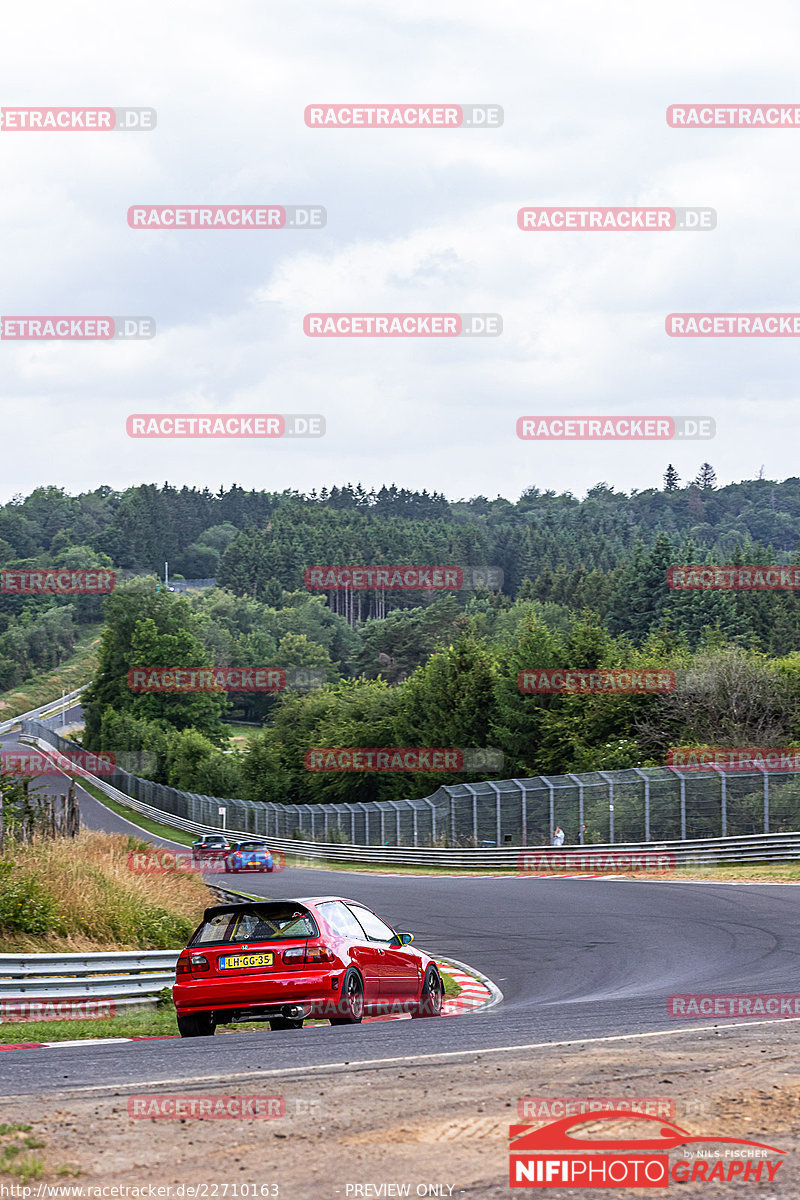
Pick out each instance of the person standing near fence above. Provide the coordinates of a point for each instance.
(558, 836)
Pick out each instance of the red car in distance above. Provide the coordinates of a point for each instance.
(284, 961)
(211, 846)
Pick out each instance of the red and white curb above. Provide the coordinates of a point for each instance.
(477, 993)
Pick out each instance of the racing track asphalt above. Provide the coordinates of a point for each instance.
(574, 958)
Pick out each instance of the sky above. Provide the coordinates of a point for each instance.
(418, 220)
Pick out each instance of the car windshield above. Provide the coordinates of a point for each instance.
(266, 923)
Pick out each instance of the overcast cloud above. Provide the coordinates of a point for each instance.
(418, 221)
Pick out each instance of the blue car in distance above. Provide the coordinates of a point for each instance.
(250, 856)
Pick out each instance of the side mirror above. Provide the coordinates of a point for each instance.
(405, 938)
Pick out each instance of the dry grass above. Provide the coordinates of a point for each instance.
(101, 904)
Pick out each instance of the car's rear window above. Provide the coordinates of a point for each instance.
(251, 846)
(267, 923)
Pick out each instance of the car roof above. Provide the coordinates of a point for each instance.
(217, 908)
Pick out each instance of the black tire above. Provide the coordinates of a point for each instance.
(431, 997)
(351, 1000)
(197, 1025)
(286, 1023)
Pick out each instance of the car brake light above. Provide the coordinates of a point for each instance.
(182, 966)
(198, 962)
(319, 954)
(296, 954)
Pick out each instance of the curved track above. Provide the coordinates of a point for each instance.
(575, 958)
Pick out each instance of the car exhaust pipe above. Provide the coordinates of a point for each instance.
(294, 1011)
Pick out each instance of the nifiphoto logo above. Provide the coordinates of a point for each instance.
(63, 120)
(403, 116)
(227, 216)
(559, 1155)
(441, 325)
(76, 329)
(628, 219)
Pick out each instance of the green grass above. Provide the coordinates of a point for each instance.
(76, 670)
(164, 831)
(15, 1159)
(451, 988)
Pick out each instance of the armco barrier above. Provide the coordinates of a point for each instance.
(132, 979)
(54, 706)
(776, 847)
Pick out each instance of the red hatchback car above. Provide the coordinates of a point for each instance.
(286, 960)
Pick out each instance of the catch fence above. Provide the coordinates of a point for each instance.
(636, 805)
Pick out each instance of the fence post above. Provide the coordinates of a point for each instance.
(432, 807)
(552, 789)
(766, 800)
(523, 812)
(610, 782)
(452, 818)
(646, 779)
(472, 793)
(683, 808)
(498, 821)
(723, 798)
(579, 782)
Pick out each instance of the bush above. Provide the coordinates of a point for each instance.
(26, 906)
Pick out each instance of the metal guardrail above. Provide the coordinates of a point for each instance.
(773, 847)
(129, 978)
(45, 710)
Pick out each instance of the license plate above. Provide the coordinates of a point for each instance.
(230, 961)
